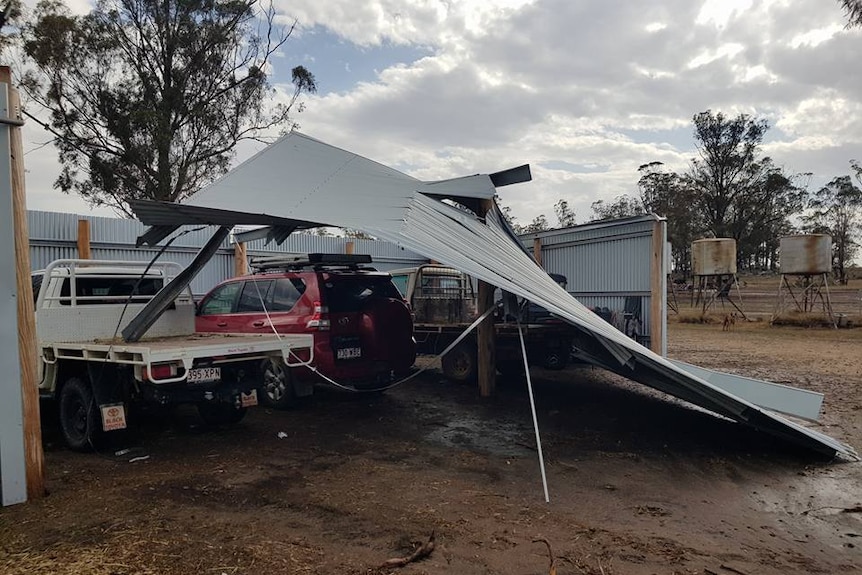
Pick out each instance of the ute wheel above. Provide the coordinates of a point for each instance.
(461, 363)
(80, 421)
(277, 387)
(220, 413)
(556, 358)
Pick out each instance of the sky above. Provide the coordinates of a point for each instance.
(584, 92)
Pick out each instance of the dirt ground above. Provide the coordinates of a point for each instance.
(638, 484)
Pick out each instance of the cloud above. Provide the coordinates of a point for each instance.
(572, 86)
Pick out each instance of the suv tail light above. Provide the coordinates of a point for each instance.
(320, 318)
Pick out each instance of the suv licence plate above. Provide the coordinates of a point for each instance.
(348, 353)
(204, 375)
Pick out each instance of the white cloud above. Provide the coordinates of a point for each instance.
(586, 91)
(720, 12)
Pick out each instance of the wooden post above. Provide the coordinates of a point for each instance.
(658, 288)
(485, 336)
(537, 250)
(349, 247)
(33, 454)
(240, 260)
(84, 239)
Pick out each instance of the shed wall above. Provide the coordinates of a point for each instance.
(607, 264)
(609, 268)
(55, 235)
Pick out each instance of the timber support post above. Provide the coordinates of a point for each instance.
(84, 239)
(240, 259)
(21, 455)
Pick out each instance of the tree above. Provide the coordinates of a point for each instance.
(506, 212)
(620, 207)
(853, 8)
(357, 234)
(665, 194)
(148, 99)
(836, 209)
(539, 224)
(10, 18)
(565, 214)
(737, 193)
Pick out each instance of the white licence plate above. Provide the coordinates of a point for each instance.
(349, 353)
(204, 374)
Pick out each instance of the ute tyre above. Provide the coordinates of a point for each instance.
(461, 363)
(277, 385)
(80, 421)
(556, 358)
(220, 413)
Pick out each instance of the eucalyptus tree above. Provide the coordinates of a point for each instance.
(621, 206)
(565, 215)
(836, 209)
(148, 99)
(853, 9)
(736, 192)
(664, 193)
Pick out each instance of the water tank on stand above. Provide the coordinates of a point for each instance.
(808, 260)
(806, 254)
(713, 257)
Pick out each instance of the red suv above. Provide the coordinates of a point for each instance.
(363, 330)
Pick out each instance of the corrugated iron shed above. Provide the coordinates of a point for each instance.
(610, 268)
(54, 236)
(344, 189)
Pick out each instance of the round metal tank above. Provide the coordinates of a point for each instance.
(713, 256)
(806, 254)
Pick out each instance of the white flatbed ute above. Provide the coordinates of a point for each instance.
(82, 306)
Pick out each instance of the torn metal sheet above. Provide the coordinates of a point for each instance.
(302, 179)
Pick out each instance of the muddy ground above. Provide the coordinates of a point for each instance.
(638, 484)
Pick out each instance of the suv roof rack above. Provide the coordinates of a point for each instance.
(317, 261)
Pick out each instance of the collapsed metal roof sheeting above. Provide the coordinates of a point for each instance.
(302, 179)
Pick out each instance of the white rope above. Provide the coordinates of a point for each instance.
(535, 419)
(331, 381)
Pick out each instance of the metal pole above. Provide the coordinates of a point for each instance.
(535, 419)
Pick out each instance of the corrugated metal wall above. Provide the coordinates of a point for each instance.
(55, 236)
(607, 265)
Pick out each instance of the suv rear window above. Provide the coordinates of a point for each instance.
(346, 294)
(278, 294)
